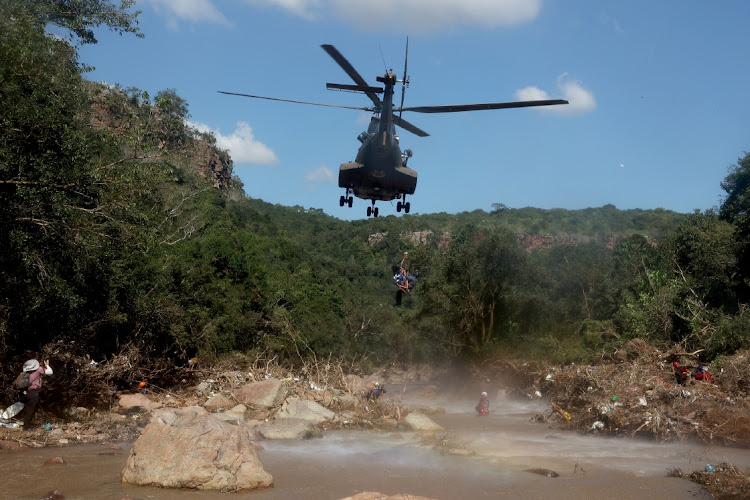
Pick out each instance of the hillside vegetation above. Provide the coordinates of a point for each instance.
(125, 236)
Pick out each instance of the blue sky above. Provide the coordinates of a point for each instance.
(659, 106)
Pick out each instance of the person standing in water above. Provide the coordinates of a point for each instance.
(483, 406)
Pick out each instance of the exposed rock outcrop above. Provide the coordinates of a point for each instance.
(419, 422)
(309, 411)
(263, 394)
(138, 402)
(288, 428)
(189, 448)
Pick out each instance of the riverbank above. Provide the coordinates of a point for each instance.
(634, 398)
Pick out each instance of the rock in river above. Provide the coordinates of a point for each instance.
(189, 448)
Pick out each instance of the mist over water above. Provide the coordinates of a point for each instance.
(343, 463)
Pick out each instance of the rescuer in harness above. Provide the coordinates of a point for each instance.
(403, 279)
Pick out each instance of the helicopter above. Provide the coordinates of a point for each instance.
(379, 171)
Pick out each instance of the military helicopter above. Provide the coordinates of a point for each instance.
(380, 172)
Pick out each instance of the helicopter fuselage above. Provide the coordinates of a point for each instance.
(379, 171)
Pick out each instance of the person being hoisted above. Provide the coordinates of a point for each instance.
(403, 279)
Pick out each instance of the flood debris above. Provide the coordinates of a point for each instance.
(640, 397)
(722, 481)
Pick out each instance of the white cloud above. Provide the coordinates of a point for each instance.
(307, 9)
(322, 174)
(414, 16)
(404, 16)
(241, 144)
(425, 16)
(580, 100)
(188, 10)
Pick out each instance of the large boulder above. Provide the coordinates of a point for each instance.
(288, 428)
(137, 402)
(305, 410)
(349, 402)
(236, 414)
(263, 394)
(419, 422)
(189, 448)
(219, 402)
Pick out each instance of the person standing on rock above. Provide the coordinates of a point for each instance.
(375, 392)
(30, 396)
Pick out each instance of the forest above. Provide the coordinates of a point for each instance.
(124, 233)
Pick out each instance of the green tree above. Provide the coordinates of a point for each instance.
(80, 17)
(477, 285)
(735, 209)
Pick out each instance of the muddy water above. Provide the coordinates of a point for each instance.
(343, 463)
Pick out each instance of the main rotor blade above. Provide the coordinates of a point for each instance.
(354, 88)
(336, 55)
(403, 77)
(298, 102)
(408, 126)
(477, 107)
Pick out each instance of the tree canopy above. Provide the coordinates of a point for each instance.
(124, 231)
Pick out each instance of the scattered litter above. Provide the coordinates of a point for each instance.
(11, 411)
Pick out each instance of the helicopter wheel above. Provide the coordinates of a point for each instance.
(342, 200)
(398, 206)
(407, 207)
(375, 211)
(350, 201)
(369, 211)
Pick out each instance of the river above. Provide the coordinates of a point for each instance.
(343, 463)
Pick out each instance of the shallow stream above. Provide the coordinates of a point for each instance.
(343, 463)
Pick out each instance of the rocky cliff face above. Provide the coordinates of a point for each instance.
(209, 163)
(529, 242)
(128, 116)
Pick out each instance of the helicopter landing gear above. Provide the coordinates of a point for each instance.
(346, 200)
(406, 206)
(373, 210)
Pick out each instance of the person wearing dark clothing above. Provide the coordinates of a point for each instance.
(404, 280)
(30, 396)
(680, 373)
(375, 392)
(399, 277)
